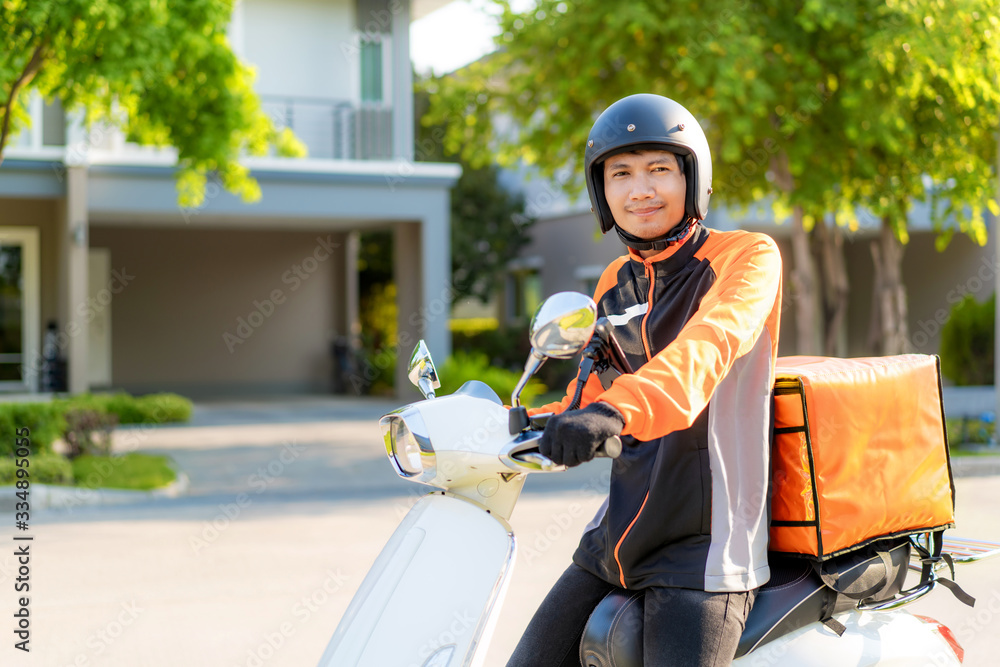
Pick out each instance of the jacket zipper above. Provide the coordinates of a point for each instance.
(649, 311)
(645, 344)
(621, 571)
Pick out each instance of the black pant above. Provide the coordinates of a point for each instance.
(682, 627)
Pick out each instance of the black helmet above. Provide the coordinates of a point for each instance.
(651, 122)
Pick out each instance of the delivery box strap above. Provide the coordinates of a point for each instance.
(790, 429)
(870, 582)
(930, 557)
(788, 385)
(794, 524)
(865, 586)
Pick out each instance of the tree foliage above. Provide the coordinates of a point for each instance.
(162, 71)
(811, 107)
(488, 223)
(968, 342)
(859, 103)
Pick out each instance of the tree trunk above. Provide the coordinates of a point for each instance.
(836, 289)
(803, 292)
(30, 70)
(889, 333)
(804, 289)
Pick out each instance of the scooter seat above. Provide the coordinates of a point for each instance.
(794, 597)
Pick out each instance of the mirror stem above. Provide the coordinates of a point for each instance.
(426, 387)
(531, 366)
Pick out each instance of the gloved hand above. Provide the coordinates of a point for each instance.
(571, 438)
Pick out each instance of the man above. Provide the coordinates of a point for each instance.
(696, 312)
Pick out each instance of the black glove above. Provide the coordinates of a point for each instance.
(572, 437)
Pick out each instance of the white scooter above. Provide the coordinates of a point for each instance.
(434, 594)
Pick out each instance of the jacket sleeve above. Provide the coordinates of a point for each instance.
(669, 391)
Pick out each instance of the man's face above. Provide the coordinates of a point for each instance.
(645, 191)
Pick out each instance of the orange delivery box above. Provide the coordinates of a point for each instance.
(860, 453)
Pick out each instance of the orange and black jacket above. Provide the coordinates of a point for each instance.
(688, 499)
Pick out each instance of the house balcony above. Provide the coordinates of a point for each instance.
(335, 129)
(331, 129)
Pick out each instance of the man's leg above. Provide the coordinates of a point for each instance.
(691, 628)
(552, 638)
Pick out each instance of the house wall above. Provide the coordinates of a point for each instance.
(301, 48)
(580, 245)
(185, 321)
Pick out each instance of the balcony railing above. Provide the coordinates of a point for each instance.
(336, 129)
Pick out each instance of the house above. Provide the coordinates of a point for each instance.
(101, 267)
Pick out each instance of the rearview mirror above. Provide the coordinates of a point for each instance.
(561, 328)
(422, 372)
(563, 325)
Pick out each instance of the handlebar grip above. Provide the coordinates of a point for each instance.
(612, 448)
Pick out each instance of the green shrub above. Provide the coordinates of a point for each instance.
(43, 468)
(148, 409)
(44, 422)
(462, 367)
(161, 409)
(967, 342)
(375, 371)
(969, 431)
(508, 348)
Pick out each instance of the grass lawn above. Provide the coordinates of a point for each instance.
(962, 451)
(134, 471)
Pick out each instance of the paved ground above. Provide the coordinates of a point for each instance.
(257, 563)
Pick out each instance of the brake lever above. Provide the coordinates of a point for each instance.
(605, 332)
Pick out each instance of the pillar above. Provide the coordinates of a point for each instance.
(402, 83)
(74, 232)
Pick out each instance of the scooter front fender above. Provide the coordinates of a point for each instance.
(432, 597)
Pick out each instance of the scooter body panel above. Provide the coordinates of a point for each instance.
(872, 639)
(431, 598)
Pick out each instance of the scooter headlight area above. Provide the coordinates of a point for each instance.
(408, 448)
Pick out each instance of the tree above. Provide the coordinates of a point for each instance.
(917, 122)
(488, 223)
(812, 108)
(163, 72)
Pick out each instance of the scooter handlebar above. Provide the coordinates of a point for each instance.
(612, 448)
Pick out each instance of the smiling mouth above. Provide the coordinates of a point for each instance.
(645, 211)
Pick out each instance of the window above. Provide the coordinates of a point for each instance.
(371, 69)
(524, 293)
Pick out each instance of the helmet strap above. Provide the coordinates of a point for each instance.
(676, 235)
